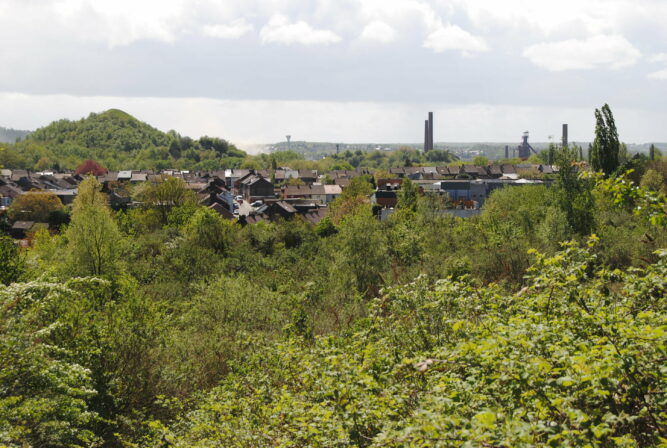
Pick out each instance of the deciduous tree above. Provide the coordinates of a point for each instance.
(606, 147)
(93, 237)
(34, 206)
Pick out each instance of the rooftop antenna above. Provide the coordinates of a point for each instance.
(289, 138)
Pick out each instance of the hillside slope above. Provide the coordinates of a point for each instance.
(117, 140)
(112, 129)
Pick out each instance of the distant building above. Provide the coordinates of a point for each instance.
(255, 187)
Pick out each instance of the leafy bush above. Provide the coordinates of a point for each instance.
(570, 360)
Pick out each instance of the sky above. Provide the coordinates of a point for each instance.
(252, 71)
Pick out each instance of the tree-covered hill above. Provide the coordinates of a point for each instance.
(112, 129)
(117, 140)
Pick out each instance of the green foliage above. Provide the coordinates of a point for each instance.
(574, 192)
(653, 180)
(362, 251)
(12, 261)
(207, 229)
(287, 334)
(165, 195)
(480, 161)
(44, 391)
(118, 141)
(35, 206)
(407, 196)
(325, 228)
(93, 237)
(564, 362)
(648, 204)
(222, 319)
(606, 147)
(360, 186)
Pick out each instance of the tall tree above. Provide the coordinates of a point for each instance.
(92, 234)
(407, 195)
(164, 195)
(574, 192)
(606, 147)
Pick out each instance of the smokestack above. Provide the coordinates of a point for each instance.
(507, 151)
(427, 133)
(564, 135)
(337, 148)
(430, 130)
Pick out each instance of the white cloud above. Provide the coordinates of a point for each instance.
(279, 30)
(121, 22)
(453, 37)
(660, 58)
(659, 75)
(564, 17)
(609, 52)
(234, 30)
(378, 31)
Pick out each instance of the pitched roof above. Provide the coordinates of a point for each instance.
(332, 189)
(253, 219)
(221, 210)
(23, 225)
(303, 190)
(139, 177)
(315, 216)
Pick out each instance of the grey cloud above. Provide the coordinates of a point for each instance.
(171, 53)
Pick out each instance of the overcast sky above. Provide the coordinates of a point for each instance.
(340, 70)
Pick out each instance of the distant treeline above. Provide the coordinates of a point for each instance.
(9, 135)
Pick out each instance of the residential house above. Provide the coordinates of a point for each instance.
(312, 192)
(331, 193)
(385, 198)
(256, 187)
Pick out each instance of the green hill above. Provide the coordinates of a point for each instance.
(117, 140)
(113, 129)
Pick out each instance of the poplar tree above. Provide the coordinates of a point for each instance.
(605, 150)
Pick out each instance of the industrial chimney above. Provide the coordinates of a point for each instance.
(564, 140)
(430, 131)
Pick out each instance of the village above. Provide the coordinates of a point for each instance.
(251, 196)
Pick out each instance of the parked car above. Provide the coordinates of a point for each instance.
(257, 204)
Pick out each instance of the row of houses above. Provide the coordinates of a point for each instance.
(274, 194)
(510, 171)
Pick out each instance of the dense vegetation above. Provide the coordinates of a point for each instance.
(541, 322)
(118, 141)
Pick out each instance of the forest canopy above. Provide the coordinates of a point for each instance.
(117, 141)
